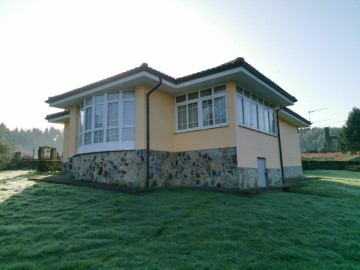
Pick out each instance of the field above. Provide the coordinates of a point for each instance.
(338, 156)
(53, 226)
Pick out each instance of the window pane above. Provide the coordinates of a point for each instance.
(271, 120)
(254, 97)
(207, 112)
(113, 96)
(129, 113)
(128, 134)
(205, 93)
(261, 118)
(99, 99)
(88, 102)
(88, 116)
(193, 115)
(81, 141)
(87, 138)
(246, 93)
(112, 118)
(254, 121)
(99, 116)
(181, 117)
(219, 89)
(112, 135)
(98, 136)
(130, 94)
(266, 120)
(247, 113)
(193, 96)
(239, 90)
(220, 110)
(240, 110)
(82, 120)
(181, 99)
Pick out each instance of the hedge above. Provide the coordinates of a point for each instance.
(329, 165)
(49, 165)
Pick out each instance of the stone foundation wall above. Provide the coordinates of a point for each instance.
(293, 172)
(205, 168)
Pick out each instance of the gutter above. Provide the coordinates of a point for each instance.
(280, 150)
(147, 184)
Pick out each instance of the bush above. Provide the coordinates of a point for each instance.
(5, 155)
(354, 168)
(328, 165)
(49, 165)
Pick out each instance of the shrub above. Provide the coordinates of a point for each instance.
(354, 168)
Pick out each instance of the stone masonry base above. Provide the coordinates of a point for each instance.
(203, 168)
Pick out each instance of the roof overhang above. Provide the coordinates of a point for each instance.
(239, 75)
(293, 118)
(58, 118)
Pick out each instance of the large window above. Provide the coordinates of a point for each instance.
(107, 122)
(254, 112)
(202, 109)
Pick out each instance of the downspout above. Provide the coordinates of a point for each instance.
(280, 150)
(148, 132)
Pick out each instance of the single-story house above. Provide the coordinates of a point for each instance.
(227, 126)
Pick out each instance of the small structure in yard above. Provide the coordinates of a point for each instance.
(47, 153)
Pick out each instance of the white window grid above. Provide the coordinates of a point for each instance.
(99, 130)
(202, 109)
(254, 112)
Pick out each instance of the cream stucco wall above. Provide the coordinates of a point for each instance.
(72, 130)
(220, 137)
(163, 136)
(252, 145)
(67, 138)
(290, 144)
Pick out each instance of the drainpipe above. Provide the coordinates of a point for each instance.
(147, 184)
(280, 150)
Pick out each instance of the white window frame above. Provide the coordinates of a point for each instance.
(199, 100)
(256, 105)
(120, 144)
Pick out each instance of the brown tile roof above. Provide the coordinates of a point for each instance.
(238, 62)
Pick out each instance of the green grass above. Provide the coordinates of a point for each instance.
(53, 226)
(333, 173)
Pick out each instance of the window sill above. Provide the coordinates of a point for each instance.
(259, 131)
(105, 147)
(201, 129)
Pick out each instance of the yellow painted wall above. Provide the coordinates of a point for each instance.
(252, 144)
(210, 138)
(73, 132)
(290, 144)
(140, 117)
(66, 141)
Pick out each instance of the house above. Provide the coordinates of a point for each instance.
(227, 126)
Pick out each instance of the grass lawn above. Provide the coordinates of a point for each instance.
(333, 174)
(53, 226)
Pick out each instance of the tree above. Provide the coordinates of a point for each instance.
(5, 155)
(350, 136)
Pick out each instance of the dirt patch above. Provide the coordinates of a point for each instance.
(338, 156)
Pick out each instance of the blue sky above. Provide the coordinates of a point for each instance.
(309, 48)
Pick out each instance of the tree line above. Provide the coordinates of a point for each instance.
(27, 141)
(346, 138)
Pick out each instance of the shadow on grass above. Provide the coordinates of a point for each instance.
(69, 227)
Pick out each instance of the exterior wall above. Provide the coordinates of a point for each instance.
(202, 168)
(67, 138)
(215, 157)
(290, 144)
(252, 144)
(73, 130)
(211, 138)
